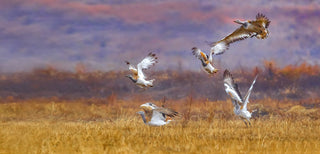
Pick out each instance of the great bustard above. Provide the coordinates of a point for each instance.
(156, 116)
(240, 104)
(206, 60)
(251, 28)
(137, 75)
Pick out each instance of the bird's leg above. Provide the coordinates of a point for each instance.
(142, 90)
(249, 122)
(245, 122)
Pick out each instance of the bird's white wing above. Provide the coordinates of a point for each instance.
(234, 90)
(150, 60)
(235, 104)
(246, 98)
(157, 116)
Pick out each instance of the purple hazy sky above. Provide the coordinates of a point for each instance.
(103, 34)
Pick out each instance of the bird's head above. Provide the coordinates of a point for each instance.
(148, 106)
(239, 22)
(243, 23)
(264, 34)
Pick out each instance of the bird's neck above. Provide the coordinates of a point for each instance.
(132, 79)
(210, 57)
(204, 64)
(143, 118)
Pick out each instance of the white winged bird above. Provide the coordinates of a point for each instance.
(251, 28)
(206, 60)
(137, 75)
(239, 103)
(156, 116)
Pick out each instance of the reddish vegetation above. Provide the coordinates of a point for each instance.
(293, 82)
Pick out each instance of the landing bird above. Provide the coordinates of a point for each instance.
(156, 116)
(240, 104)
(206, 60)
(249, 28)
(137, 75)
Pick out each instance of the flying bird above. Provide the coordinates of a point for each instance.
(239, 103)
(137, 75)
(251, 28)
(156, 116)
(206, 60)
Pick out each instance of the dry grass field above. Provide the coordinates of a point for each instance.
(112, 126)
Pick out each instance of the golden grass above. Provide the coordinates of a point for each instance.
(92, 126)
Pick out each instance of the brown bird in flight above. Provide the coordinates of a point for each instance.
(206, 60)
(251, 28)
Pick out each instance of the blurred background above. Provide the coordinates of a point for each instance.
(77, 48)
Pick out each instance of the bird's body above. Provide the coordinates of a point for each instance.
(156, 120)
(250, 28)
(137, 75)
(206, 60)
(156, 116)
(239, 103)
(143, 83)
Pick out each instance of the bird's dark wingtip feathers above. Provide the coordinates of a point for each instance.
(260, 15)
(194, 50)
(226, 73)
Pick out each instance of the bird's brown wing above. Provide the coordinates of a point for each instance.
(239, 34)
(167, 112)
(133, 70)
